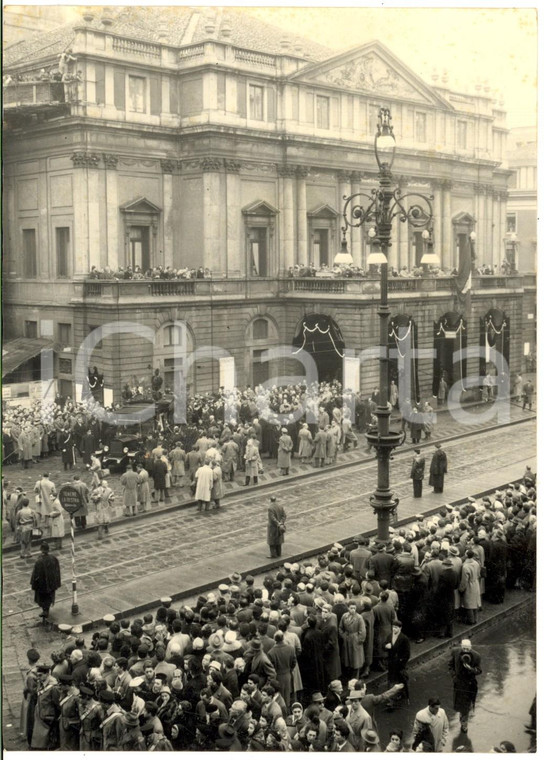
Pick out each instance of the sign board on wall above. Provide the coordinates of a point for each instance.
(352, 375)
(227, 372)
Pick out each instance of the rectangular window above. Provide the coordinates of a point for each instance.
(30, 262)
(256, 102)
(65, 334)
(136, 94)
(258, 241)
(510, 223)
(462, 135)
(31, 329)
(322, 107)
(172, 335)
(421, 127)
(62, 247)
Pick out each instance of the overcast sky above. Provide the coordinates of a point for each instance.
(496, 44)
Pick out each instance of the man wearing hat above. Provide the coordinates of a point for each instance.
(370, 741)
(46, 713)
(91, 713)
(276, 527)
(417, 472)
(464, 666)
(434, 718)
(112, 725)
(28, 704)
(45, 580)
(69, 722)
(358, 718)
(438, 468)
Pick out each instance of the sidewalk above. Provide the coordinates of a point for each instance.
(134, 596)
(444, 430)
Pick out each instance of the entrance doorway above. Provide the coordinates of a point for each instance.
(320, 336)
(450, 343)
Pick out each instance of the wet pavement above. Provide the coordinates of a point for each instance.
(506, 689)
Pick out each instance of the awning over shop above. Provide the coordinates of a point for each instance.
(20, 350)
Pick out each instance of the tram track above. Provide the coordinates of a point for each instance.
(106, 565)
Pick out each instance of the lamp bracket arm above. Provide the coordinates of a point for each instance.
(418, 211)
(358, 212)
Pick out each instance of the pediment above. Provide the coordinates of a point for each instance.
(374, 70)
(324, 211)
(260, 208)
(463, 217)
(140, 206)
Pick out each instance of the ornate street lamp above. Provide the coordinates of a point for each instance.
(380, 208)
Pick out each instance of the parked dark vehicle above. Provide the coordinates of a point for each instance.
(119, 453)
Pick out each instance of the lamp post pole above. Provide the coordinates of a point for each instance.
(382, 206)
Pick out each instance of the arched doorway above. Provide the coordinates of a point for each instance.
(494, 334)
(403, 341)
(320, 336)
(450, 336)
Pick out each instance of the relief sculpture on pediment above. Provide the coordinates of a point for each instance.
(373, 74)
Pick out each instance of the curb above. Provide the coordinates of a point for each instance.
(143, 516)
(266, 567)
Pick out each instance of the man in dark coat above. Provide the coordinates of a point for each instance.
(45, 579)
(445, 598)
(312, 669)
(464, 666)
(283, 658)
(384, 565)
(276, 527)
(417, 472)
(398, 650)
(331, 647)
(438, 468)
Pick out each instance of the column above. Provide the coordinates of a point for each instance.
(80, 243)
(93, 215)
(211, 217)
(167, 166)
(110, 256)
(302, 216)
(356, 232)
(287, 176)
(480, 226)
(344, 182)
(233, 234)
(489, 242)
(401, 230)
(437, 219)
(497, 242)
(447, 251)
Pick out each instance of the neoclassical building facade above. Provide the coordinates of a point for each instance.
(203, 138)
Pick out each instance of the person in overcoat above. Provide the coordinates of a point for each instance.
(464, 667)
(129, 481)
(45, 579)
(103, 497)
(177, 458)
(311, 663)
(204, 485)
(252, 460)
(159, 472)
(417, 472)
(68, 449)
(82, 488)
(276, 527)
(384, 615)
(230, 451)
(69, 722)
(398, 650)
(91, 713)
(438, 468)
(496, 569)
(24, 443)
(320, 448)
(331, 647)
(28, 705)
(368, 618)
(285, 447)
(445, 598)
(469, 587)
(144, 490)
(352, 631)
(305, 439)
(46, 713)
(218, 490)
(282, 656)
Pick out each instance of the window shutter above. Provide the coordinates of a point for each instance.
(334, 113)
(242, 101)
(155, 86)
(271, 112)
(100, 82)
(119, 89)
(309, 116)
(174, 100)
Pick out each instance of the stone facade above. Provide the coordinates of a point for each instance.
(206, 153)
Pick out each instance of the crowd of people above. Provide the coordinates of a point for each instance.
(283, 666)
(152, 273)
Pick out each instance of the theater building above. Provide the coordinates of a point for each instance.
(204, 138)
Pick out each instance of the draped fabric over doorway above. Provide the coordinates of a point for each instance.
(450, 344)
(320, 336)
(403, 342)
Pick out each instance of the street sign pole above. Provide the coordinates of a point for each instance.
(75, 608)
(71, 500)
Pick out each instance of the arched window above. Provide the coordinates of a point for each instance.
(261, 335)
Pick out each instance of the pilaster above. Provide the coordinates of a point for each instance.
(302, 216)
(110, 256)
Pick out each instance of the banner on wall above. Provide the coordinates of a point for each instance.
(227, 373)
(352, 375)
